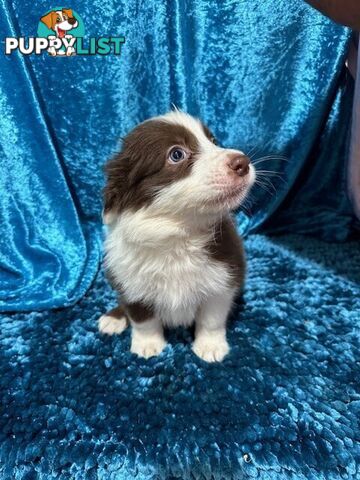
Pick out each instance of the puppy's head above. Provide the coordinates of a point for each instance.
(61, 21)
(172, 165)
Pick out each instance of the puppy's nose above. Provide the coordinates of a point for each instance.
(72, 20)
(239, 164)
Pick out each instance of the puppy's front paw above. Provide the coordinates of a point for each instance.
(147, 347)
(211, 349)
(111, 325)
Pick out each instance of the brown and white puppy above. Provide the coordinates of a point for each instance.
(172, 251)
(61, 22)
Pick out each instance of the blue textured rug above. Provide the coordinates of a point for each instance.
(285, 404)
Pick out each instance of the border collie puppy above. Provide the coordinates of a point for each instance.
(172, 251)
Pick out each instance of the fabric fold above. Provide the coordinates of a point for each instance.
(46, 259)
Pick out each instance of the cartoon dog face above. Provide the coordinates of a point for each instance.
(61, 21)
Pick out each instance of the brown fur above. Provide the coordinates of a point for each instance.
(227, 247)
(138, 312)
(209, 134)
(117, 312)
(134, 174)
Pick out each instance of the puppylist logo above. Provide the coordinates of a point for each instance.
(61, 33)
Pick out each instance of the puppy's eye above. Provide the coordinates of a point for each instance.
(177, 154)
(213, 140)
(58, 19)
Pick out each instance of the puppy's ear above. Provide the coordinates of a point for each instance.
(68, 12)
(49, 19)
(116, 189)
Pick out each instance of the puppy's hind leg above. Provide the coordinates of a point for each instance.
(113, 322)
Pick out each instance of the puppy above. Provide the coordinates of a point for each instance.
(172, 251)
(60, 21)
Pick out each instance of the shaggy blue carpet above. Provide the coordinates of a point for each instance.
(285, 404)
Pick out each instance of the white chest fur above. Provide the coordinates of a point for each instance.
(155, 260)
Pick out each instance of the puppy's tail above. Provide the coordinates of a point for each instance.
(114, 321)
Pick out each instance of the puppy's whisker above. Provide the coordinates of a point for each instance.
(269, 159)
(246, 210)
(265, 186)
(265, 189)
(274, 155)
(252, 152)
(264, 173)
(249, 198)
(265, 178)
(277, 176)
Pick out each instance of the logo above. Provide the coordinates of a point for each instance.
(61, 33)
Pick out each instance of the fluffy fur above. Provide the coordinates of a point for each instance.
(172, 251)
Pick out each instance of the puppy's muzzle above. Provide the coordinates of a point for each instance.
(238, 164)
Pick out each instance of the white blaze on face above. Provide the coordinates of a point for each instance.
(211, 186)
(63, 26)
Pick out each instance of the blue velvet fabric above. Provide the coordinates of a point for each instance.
(285, 403)
(266, 75)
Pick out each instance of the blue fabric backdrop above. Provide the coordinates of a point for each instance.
(264, 74)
